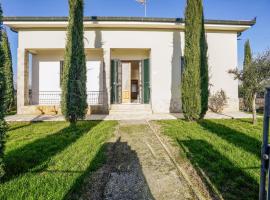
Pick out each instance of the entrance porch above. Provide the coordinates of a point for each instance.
(39, 81)
(130, 81)
(114, 77)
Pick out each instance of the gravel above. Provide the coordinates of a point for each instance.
(137, 168)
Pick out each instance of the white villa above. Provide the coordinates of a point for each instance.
(131, 62)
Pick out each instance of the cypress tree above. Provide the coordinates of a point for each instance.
(191, 82)
(248, 54)
(247, 96)
(2, 100)
(9, 95)
(204, 71)
(73, 103)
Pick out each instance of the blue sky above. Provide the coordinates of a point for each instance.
(259, 35)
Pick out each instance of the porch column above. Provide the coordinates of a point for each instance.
(35, 80)
(22, 80)
(107, 78)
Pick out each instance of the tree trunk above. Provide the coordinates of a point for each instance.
(254, 114)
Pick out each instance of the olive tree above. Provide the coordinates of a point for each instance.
(255, 76)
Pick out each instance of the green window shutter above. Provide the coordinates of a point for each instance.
(114, 90)
(61, 72)
(146, 81)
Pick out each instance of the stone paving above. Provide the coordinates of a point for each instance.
(129, 116)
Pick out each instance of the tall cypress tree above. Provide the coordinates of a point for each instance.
(9, 92)
(247, 96)
(73, 103)
(191, 82)
(2, 99)
(248, 55)
(204, 70)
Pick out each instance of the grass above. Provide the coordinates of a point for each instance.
(49, 160)
(11, 112)
(226, 151)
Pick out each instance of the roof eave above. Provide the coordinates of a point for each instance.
(17, 23)
(132, 19)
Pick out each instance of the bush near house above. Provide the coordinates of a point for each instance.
(217, 101)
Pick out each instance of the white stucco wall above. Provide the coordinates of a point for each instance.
(164, 47)
(222, 51)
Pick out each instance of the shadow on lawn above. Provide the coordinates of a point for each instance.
(233, 136)
(232, 182)
(35, 155)
(19, 125)
(120, 177)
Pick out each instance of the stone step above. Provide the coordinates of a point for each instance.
(120, 112)
(130, 109)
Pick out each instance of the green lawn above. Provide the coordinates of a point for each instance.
(49, 160)
(227, 151)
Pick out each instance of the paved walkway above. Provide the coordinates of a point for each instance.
(130, 116)
(137, 168)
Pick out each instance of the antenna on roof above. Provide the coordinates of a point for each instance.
(143, 2)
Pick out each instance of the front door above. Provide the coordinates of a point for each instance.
(130, 82)
(126, 82)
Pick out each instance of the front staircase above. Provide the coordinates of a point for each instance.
(131, 109)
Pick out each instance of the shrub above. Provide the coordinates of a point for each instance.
(217, 101)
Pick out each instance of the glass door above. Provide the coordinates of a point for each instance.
(126, 82)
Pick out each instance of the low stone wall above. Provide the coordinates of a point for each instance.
(56, 110)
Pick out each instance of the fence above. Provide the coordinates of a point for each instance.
(265, 151)
(259, 104)
(54, 98)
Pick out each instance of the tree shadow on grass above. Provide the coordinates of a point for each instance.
(233, 136)
(232, 182)
(20, 125)
(35, 155)
(120, 177)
